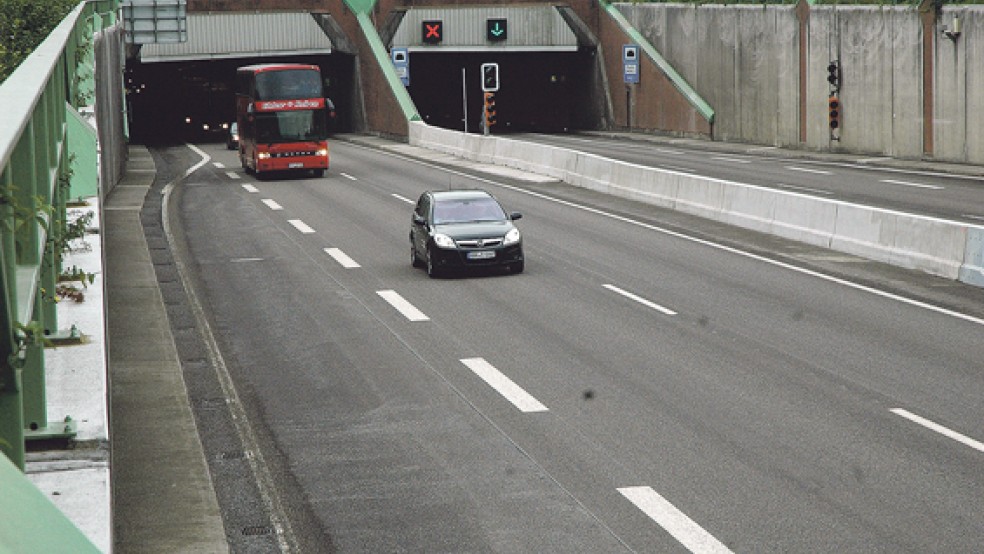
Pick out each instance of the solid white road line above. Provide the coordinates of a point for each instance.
(349, 177)
(233, 175)
(504, 385)
(402, 306)
(250, 188)
(342, 258)
(676, 523)
(640, 300)
(963, 439)
(272, 204)
(402, 198)
(804, 189)
(807, 170)
(910, 184)
(300, 226)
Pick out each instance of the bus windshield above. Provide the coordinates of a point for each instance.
(284, 85)
(291, 126)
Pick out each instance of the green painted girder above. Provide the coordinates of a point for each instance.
(681, 84)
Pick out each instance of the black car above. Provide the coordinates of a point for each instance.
(232, 137)
(463, 229)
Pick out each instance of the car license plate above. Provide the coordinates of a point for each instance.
(481, 255)
(295, 165)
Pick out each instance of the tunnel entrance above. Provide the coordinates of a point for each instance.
(176, 102)
(545, 92)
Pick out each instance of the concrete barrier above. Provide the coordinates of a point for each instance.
(945, 248)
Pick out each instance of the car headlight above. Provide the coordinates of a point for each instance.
(444, 241)
(512, 237)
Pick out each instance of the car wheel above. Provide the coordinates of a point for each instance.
(414, 258)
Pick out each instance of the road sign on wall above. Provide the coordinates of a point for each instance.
(401, 61)
(432, 32)
(630, 63)
(496, 29)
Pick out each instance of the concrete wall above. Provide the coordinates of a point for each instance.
(958, 92)
(744, 60)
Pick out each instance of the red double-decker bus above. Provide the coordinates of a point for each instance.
(282, 115)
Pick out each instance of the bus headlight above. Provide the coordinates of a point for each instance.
(263, 155)
(323, 152)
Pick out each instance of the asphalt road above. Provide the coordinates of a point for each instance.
(650, 383)
(948, 191)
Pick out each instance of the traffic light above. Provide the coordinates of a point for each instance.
(834, 76)
(489, 110)
(490, 77)
(833, 112)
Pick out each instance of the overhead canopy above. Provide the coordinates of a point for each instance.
(243, 35)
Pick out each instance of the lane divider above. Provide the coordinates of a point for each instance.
(401, 305)
(272, 204)
(949, 433)
(676, 523)
(250, 188)
(342, 258)
(640, 300)
(504, 385)
(300, 226)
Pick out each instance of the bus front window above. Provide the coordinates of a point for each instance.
(291, 126)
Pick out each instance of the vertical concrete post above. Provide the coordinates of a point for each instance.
(803, 15)
(928, 15)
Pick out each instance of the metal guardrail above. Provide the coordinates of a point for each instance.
(40, 135)
(36, 167)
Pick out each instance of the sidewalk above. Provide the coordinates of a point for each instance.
(145, 487)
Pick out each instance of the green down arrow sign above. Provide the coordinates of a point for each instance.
(495, 29)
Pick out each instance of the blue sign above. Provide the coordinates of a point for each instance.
(401, 61)
(630, 63)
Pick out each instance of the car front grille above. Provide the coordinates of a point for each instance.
(479, 243)
(292, 154)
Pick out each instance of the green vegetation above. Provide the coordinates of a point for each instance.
(24, 24)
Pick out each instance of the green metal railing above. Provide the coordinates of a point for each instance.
(41, 145)
(40, 101)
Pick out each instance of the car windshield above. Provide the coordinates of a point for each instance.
(468, 210)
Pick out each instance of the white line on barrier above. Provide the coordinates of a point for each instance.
(640, 300)
(407, 309)
(342, 258)
(300, 226)
(272, 204)
(233, 175)
(676, 523)
(910, 184)
(504, 385)
(250, 188)
(402, 198)
(808, 170)
(965, 440)
(349, 177)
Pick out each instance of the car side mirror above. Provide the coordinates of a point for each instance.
(419, 219)
(515, 215)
